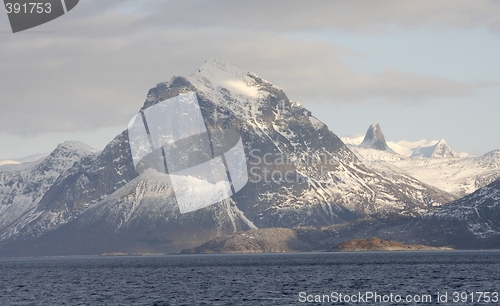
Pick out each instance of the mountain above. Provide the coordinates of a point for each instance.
(373, 149)
(438, 150)
(374, 139)
(408, 148)
(300, 174)
(22, 186)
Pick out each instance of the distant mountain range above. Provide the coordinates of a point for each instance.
(412, 149)
(79, 201)
(432, 162)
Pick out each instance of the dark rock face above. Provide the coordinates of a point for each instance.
(374, 138)
(301, 174)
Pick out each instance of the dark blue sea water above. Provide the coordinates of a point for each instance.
(263, 279)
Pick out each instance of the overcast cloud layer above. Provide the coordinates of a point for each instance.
(91, 69)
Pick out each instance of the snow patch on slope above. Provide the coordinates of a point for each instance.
(216, 74)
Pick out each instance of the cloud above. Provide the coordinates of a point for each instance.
(290, 15)
(390, 85)
(97, 67)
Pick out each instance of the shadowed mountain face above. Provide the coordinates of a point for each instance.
(374, 138)
(300, 174)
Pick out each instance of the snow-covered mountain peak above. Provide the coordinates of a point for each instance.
(439, 150)
(76, 146)
(72, 148)
(249, 97)
(65, 155)
(215, 75)
(374, 138)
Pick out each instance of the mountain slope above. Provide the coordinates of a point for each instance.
(481, 211)
(458, 176)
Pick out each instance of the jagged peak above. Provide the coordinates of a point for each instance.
(374, 138)
(440, 149)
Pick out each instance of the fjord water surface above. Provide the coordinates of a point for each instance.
(258, 279)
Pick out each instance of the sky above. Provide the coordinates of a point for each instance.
(422, 69)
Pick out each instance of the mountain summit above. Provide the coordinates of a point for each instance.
(439, 150)
(374, 138)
